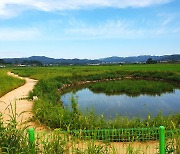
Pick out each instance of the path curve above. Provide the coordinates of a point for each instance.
(19, 96)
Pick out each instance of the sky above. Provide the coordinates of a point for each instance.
(89, 29)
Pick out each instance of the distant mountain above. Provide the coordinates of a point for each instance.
(47, 60)
(139, 59)
(133, 59)
(171, 58)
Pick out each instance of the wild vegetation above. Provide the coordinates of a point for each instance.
(13, 140)
(136, 87)
(8, 83)
(49, 108)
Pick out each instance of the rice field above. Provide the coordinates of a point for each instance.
(8, 83)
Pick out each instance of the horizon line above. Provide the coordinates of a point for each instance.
(88, 58)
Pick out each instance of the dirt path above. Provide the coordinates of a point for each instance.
(19, 96)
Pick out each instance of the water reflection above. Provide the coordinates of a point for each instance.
(125, 105)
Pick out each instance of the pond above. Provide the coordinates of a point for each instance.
(124, 104)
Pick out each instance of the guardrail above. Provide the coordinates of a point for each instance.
(117, 141)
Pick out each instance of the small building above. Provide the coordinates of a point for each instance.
(2, 66)
(20, 65)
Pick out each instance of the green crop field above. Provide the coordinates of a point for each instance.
(66, 71)
(49, 109)
(8, 83)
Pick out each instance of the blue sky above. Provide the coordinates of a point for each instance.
(89, 29)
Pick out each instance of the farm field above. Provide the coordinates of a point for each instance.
(50, 110)
(8, 83)
(67, 71)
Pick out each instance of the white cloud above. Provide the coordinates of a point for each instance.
(167, 18)
(119, 29)
(9, 8)
(109, 29)
(10, 34)
(79, 30)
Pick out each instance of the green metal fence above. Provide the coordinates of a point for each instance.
(117, 141)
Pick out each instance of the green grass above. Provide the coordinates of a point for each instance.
(13, 140)
(8, 83)
(49, 109)
(68, 71)
(136, 87)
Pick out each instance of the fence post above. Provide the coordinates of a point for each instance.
(31, 136)
(162, 139)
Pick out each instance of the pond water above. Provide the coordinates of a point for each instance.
(124, 105)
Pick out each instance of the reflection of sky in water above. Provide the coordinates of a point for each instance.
(124, 105)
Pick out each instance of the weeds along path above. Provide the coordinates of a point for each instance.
(19, 97)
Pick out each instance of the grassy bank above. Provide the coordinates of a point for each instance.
(8, 83)
(49, 110)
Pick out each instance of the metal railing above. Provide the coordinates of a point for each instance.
(117, 141)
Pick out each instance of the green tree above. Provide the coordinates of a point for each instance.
(151, 61)
(2, 61)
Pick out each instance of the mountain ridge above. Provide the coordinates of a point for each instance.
(113, 59)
